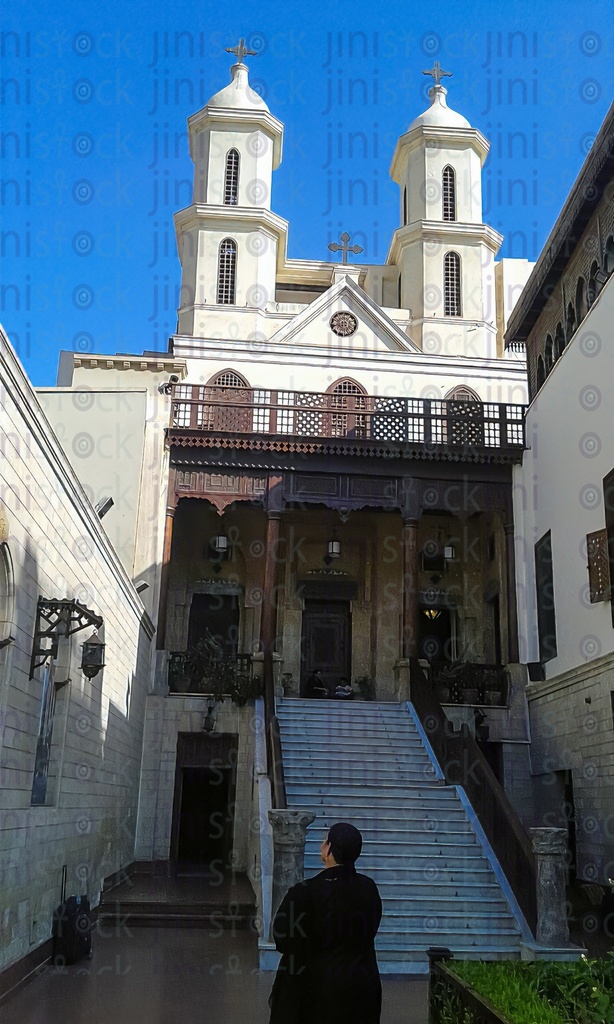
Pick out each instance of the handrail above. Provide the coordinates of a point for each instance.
(385, 418)
(276, 765)
(464, 764)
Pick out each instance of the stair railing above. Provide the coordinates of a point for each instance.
(464, 764)
(275, 765)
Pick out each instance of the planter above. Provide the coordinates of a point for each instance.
(443, 694)
(493, 697)
(470, 696)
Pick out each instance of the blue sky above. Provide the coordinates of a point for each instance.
(94, 102)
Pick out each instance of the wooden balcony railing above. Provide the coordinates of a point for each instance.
(366, 418)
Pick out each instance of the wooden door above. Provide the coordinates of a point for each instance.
(326, 641)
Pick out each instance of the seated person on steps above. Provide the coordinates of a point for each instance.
(315, 685)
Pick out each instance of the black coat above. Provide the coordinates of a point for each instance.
(325, 929)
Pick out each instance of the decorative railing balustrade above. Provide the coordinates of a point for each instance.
(365, 418)
(182, 680)
(470, 683)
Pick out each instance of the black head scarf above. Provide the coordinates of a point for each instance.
(345, 842)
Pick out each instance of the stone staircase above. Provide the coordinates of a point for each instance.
(366, 762)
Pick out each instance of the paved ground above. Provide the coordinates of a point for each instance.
(174, 976)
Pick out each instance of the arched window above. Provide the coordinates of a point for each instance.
(608, 256)
(227, 379)
(570, 329)
(7, 593)
(541, 372)
(462, 393)
(581, 299)
(227, 272)
(229, 404)
(448, 194)
(231, 178)
(548, 354)
(349, 400)
(452, 284)
(593, 287)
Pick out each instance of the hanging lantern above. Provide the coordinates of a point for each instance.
(220, 544)
(92, 656)
(334, 548)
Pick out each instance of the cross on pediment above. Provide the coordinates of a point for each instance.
(344, 247)
(437, 73)
(241, 51)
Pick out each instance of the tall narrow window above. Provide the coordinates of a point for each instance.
(541, 373)
(544, 585)
(43, 741)
(231, 178)
(549, 353)
(448, 193)
(227, 272)
(452, 284)
(405, 205)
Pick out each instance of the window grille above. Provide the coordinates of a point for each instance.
(462, 393)
(231, 179)
(452, 284)
(544, 585)
(598, 566)
(227, 272)
(448, 193)
(228, 379)
(339, 400)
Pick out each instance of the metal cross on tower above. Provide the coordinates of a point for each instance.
(437, 73)
(344, 247)
(241, 51)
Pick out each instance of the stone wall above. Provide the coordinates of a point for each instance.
(54, 545)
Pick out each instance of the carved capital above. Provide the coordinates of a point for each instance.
(290, 827)
(549, 841)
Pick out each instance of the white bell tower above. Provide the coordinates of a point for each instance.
(445, 254)
(228, 239)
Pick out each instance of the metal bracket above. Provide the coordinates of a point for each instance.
(55, 619)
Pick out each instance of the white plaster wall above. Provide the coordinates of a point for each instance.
(59, 549)
(570, 431)
(406, 375)
(103, 436)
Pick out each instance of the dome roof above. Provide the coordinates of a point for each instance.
(238, 95)
(439, 114)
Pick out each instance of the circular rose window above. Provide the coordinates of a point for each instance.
(343, 324)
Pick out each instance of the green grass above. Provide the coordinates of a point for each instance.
(544, 992)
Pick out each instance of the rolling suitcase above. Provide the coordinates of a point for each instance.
(72, 931)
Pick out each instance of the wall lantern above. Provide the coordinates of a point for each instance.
(449, 552)
(334, 548)
(55, 619)
(220, 544)
(92, 656)
(432, 613)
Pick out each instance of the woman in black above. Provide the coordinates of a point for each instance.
(325, 929)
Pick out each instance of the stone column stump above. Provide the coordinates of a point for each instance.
(289, 832)
(550, 849)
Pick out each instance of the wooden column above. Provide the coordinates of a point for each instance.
(410, 588)
(166, 561)
(513, 656)
(268, 618)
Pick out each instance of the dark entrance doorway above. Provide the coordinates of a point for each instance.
(203, 805)
(326, 640)
(436, 638)
(218, 614)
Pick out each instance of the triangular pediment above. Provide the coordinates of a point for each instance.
(344, 318)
